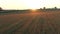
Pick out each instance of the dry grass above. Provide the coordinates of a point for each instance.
(31, 23)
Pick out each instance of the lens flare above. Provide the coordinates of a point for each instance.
(33, 10)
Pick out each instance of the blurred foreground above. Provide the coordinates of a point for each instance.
(30, 23)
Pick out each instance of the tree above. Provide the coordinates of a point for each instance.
(55, 8)
(44, 8)
(0, 9)
(40, 8)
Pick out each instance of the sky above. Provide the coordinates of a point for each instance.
(29, 4)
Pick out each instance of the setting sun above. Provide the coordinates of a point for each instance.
(33, 10)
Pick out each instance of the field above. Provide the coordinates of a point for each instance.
(31, 23)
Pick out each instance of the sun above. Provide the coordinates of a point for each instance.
(33, 10)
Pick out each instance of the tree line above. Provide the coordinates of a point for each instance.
(40, 8)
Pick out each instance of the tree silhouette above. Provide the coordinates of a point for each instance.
(40, 8)
(0, 9)
(55, 8)
(44, 7)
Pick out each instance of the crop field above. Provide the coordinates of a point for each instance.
(30, 23)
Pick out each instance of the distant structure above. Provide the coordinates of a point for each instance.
(0, 9)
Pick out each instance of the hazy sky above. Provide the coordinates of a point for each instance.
(28, 4)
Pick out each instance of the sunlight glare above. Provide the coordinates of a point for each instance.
(33, 10)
